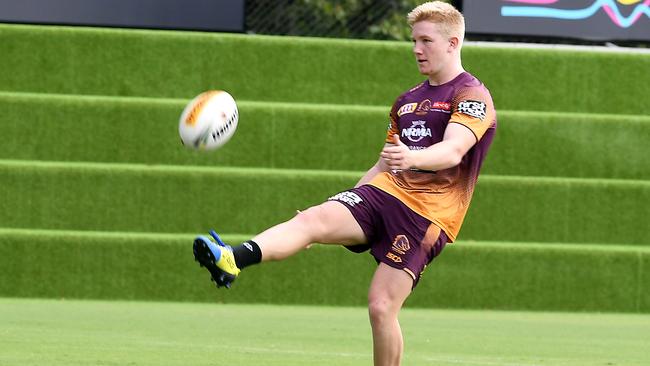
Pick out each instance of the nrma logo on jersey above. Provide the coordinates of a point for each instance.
(417, 131)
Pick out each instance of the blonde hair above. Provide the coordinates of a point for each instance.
(448, 18)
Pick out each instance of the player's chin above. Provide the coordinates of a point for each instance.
(423, 69)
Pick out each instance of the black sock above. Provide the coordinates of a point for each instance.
(246, 254)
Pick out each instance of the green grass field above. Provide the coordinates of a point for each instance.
(65, 332)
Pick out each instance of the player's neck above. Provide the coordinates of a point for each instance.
(446, 75)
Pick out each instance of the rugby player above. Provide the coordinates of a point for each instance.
(412, 202)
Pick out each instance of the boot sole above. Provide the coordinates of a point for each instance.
(206, 258)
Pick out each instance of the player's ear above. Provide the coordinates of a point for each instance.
(454, 42)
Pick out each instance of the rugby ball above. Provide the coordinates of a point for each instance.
(209, 120)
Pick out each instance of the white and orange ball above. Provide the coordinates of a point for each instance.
(209, 120)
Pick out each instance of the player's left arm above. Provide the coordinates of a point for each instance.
(457, 141)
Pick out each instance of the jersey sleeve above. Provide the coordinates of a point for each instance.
(473, 108)
(393, 126)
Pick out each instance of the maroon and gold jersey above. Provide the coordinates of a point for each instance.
(420, 117)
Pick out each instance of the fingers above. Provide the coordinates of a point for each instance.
(392, 155)
(394, 161)
(386, 155)
(396, 156)
(394, 152)
(396, 140)
(393, 149)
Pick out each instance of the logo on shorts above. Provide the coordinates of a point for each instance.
(348, 197)
(401, 244)
(472, 108)
(393, 257)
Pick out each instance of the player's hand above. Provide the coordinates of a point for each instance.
(397, 156)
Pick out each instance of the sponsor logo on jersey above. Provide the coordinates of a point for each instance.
(401, 244)
(473, 108)
(406, 108)
(441, 106)
(427, 106)
(417, 131)
(348, 197)
(424, 107)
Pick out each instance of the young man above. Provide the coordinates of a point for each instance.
(412, 201)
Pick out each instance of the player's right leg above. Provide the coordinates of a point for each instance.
(328, 223)
(217, 258)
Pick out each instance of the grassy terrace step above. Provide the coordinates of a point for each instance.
(306, 136)
(99, 61)
(145, 130)
(479, 275)
(122, 197)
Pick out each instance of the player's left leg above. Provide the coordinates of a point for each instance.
(388, 290)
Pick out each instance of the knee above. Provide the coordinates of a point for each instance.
(312, 222)
(380, 309)
(307, 216)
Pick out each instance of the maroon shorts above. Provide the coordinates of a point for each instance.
(396, 235)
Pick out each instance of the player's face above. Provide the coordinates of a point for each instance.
(432, 50)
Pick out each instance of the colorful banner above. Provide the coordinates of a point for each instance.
(605, 20)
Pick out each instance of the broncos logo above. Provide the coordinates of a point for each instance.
(401, 244)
